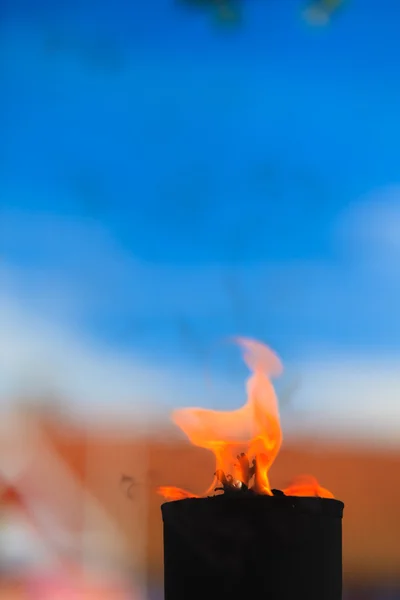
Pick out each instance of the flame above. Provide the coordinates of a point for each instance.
(307, 485)
(246, 441)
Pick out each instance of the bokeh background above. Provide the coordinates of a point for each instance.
(172, 174)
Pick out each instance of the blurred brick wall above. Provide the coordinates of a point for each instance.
(366, 479)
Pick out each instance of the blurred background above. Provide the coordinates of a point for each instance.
(172, 173)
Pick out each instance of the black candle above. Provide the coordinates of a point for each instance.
(239, 546)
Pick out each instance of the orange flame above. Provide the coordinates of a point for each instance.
(252, 431)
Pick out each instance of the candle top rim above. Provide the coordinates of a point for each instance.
(299, 504)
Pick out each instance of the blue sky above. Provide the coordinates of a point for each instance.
(165, 183)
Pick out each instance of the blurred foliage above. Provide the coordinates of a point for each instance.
(224, 12)
(316, 12)
(320, 12)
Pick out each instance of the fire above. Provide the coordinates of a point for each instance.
(246, 441)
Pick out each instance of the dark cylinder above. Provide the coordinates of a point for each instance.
(243, 547)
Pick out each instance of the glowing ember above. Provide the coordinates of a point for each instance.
(245, 441)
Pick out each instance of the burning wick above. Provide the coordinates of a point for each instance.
(229, 484)
(250, 541)
(256, 425)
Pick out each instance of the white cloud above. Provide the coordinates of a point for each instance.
(349, 396)
(40, 357)
(78, 270)
(339, 395)
(370, 229)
